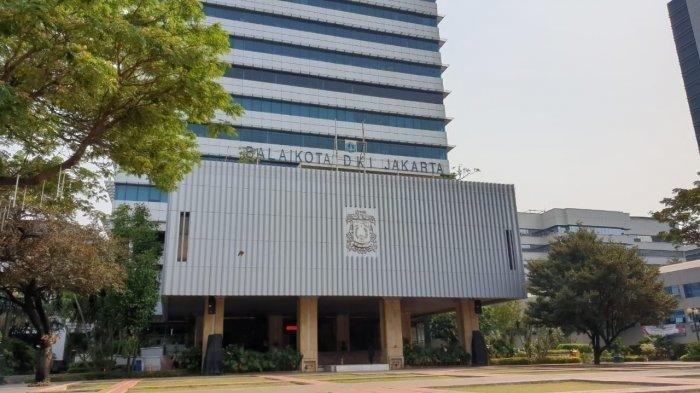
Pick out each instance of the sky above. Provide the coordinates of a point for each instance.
(579, 103)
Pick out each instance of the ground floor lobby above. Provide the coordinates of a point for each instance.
(325, 330)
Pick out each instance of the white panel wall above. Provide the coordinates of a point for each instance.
(437, 238)
(332, 70)
(331, 98)
(320, 14)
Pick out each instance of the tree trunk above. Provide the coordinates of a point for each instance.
(597, 352)
(44, 358)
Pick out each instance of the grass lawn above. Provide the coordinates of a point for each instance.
(209, 384)
(369, 377)
(89, 387)
(538, 387)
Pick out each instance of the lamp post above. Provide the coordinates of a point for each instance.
(693, 314)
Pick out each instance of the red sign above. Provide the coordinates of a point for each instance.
(291, 328)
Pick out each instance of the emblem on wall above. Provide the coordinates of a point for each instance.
(360, 232)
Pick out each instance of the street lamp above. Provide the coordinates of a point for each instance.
(693, 313)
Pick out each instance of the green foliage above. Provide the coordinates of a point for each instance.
(114, 374)
(522, 360)
(656, 347)
(120, 316)
(451, 355)
(107, 82)
(582, 348)
(540, 341)
(16, 357)
(692, 353)
(191, 358)
(443, 327)
(240, 360)
(597, 288)
(501, 324)
(682, 213)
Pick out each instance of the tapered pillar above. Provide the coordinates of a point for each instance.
(275, 332)
(467, 322)
(406, 328)
(307, 335)
(390, 329)
(212, 320)
(342, 326)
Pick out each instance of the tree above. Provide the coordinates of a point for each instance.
(682, 213)
(443, 327)
(44, 253)
(119, 316)
(85, 85)
(597, 288)
(502, 324)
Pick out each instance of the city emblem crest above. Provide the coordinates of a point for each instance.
(360, 237)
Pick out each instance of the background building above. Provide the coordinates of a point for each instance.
(537, 229)
(683, 281)
(685, 20)
(340, 234)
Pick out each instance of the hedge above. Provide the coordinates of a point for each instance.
(692, 353)
(116, 374)
(583, 348)
(521, 360)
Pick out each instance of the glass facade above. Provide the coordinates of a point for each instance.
(370, 10)
(286, 22)
(673, 290)
(313, 82)
(302, 52)
(687, 48)
(677, 316)
(139, 193)
(563, 229)
(257, 135)
(331, 113)
(691, 290)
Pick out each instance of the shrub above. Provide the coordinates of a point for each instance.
(583, 348)
(16, 356)
(444, 356)
(190, 358)
(647, 349)
(522, 360)
(114, 374)
(78, 367)
(692, 353)
(240, 360)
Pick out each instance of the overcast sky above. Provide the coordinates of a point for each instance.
(579, 103)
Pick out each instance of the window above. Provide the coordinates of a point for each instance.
(313, 82)
(677, 316)
(341, 114)
(673, 290)
(286, 22)
(511, 251)
(371, 10)
(183, 236)
(691, 290)
(256, 135)
(139, 193)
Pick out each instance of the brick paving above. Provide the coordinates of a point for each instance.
(655, 377)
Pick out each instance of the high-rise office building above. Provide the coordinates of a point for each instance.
(685, 20)
(325, 224)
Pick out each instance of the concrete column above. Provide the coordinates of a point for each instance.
(307, 335)
(212, 323)
(342, 326)
(467, 322)
(275, 332)
(390, 328)
(406, 328)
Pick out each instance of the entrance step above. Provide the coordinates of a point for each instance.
(354, 368)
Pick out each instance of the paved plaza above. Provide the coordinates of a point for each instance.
(640, 377)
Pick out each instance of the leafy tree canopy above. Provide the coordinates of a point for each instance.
(89, 84)
(597, 288)
(682, 213)
(44, 253)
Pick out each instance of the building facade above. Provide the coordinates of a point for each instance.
(538, 229)
(325, 224)
(685, 21)
(681, 280)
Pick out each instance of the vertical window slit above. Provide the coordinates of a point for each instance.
(183, 235)
(511, 253)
